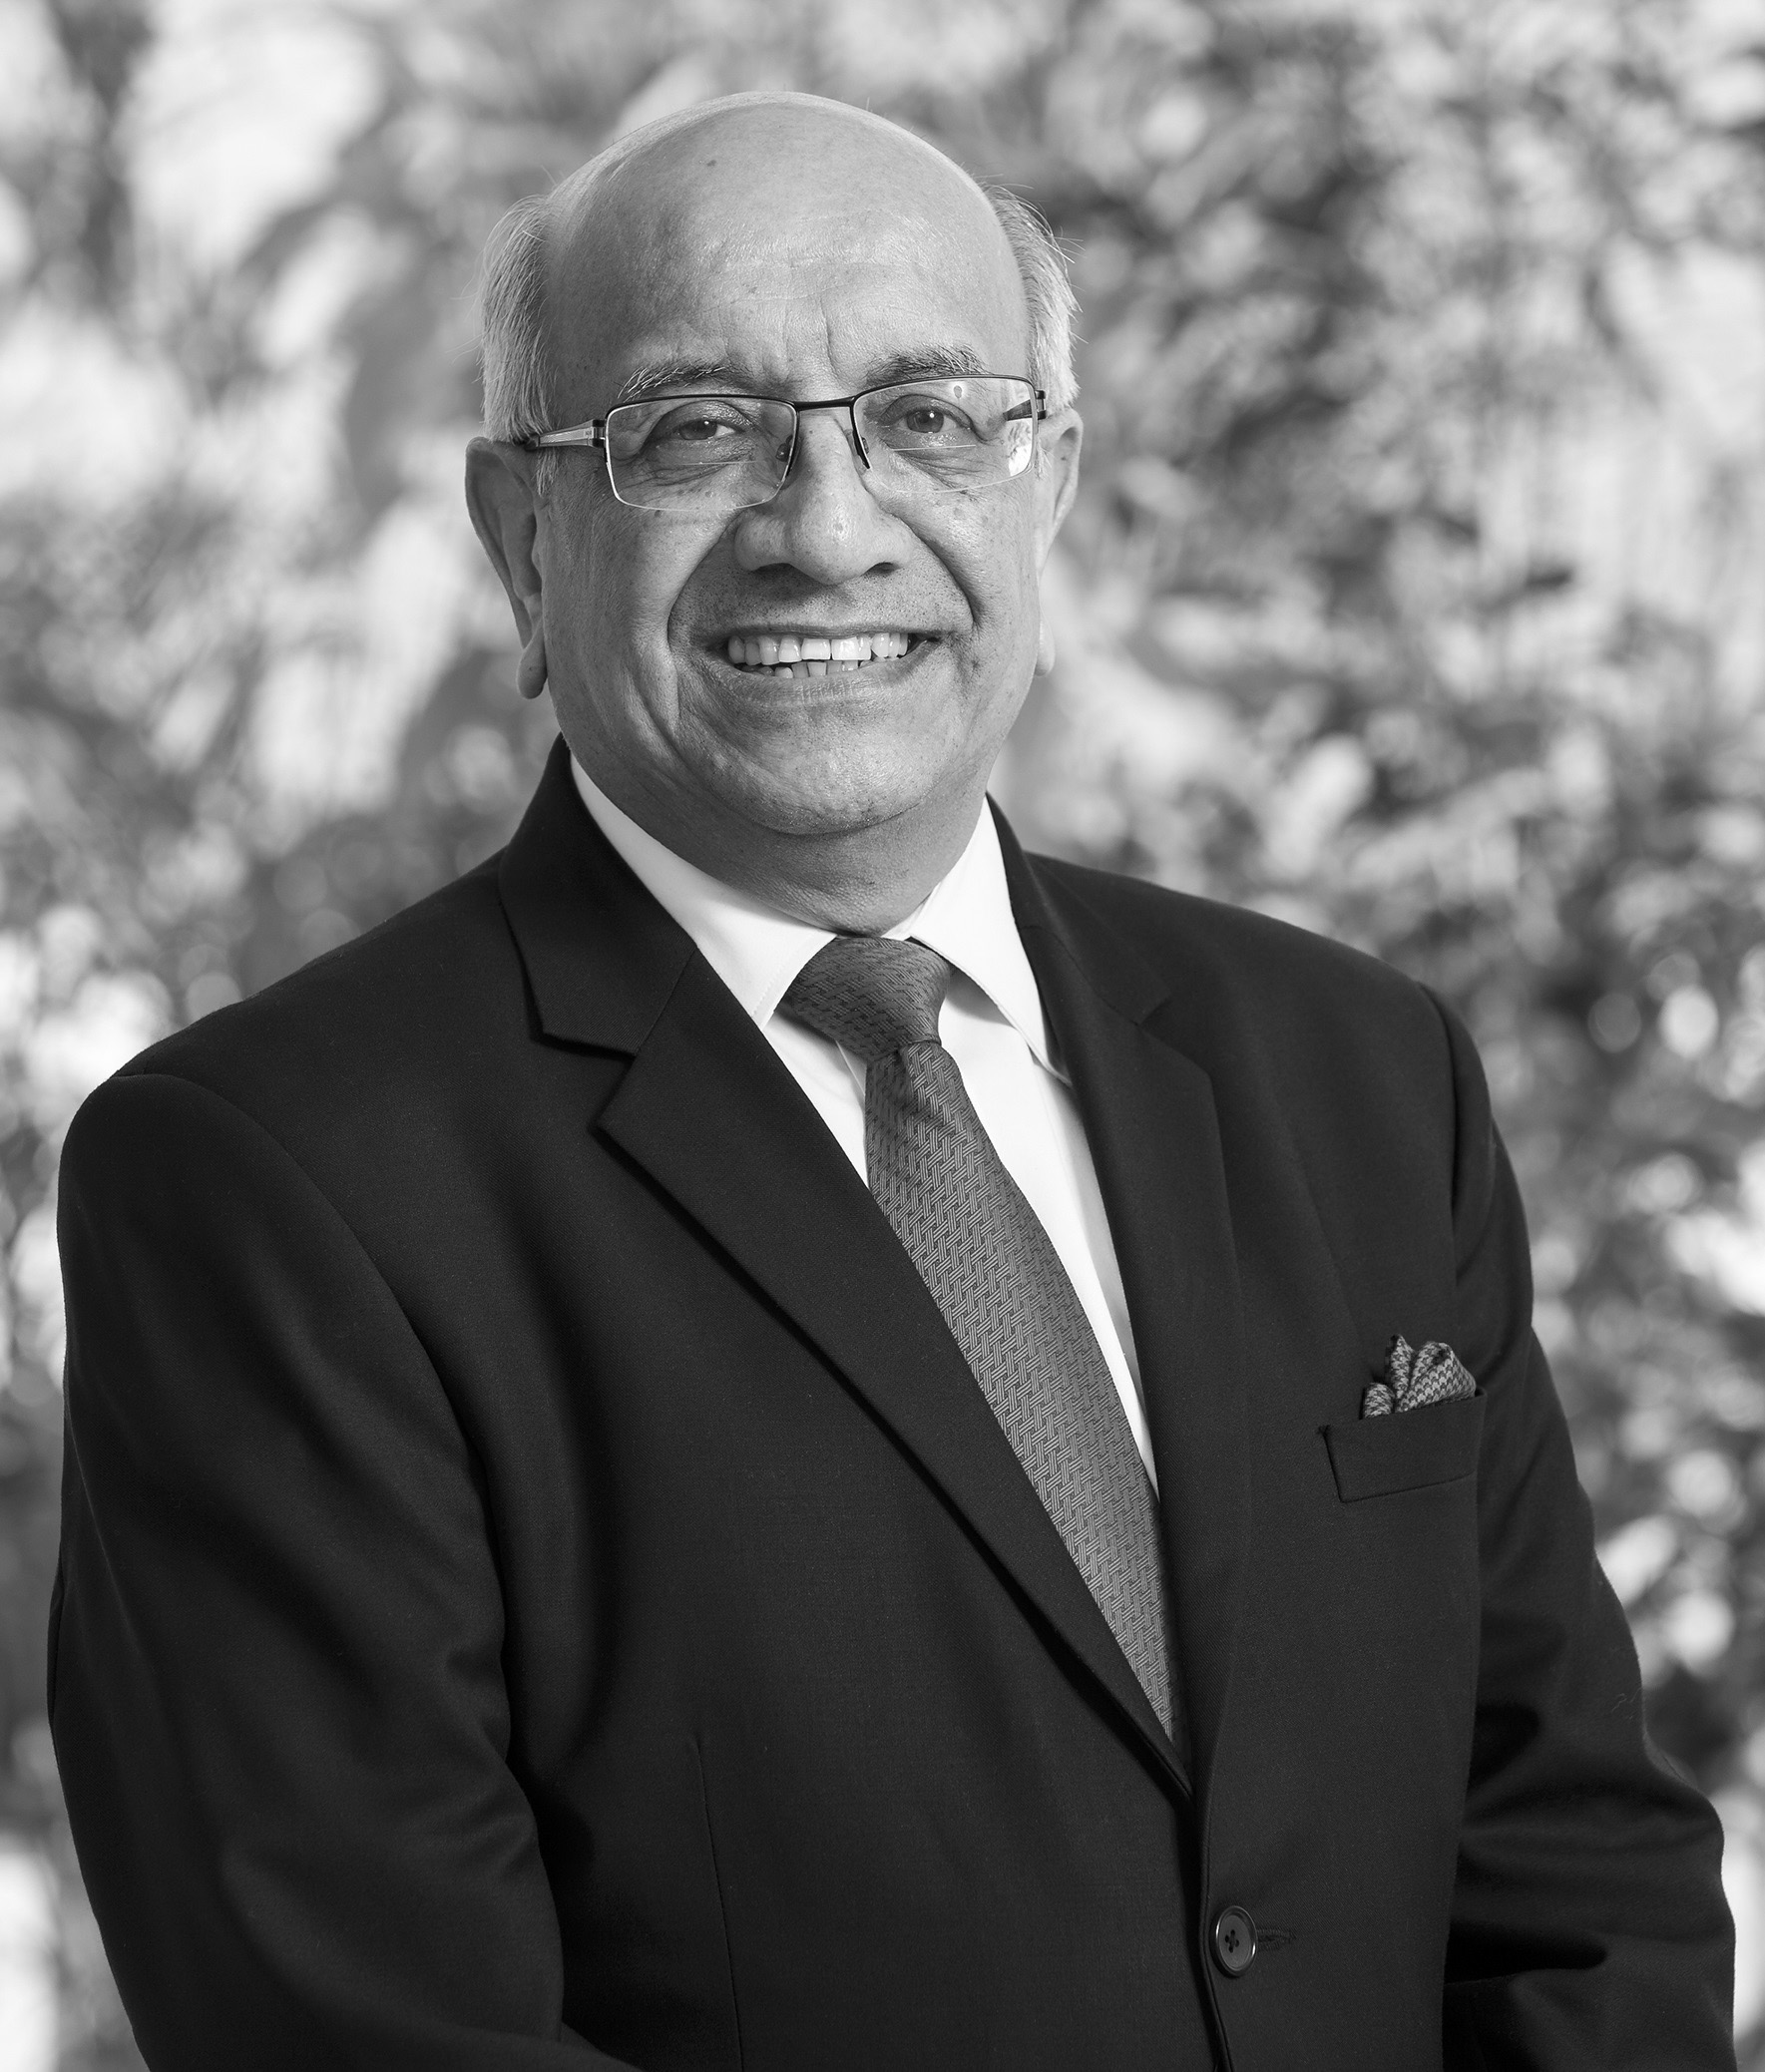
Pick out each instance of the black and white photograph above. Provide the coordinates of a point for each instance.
(882, 1036)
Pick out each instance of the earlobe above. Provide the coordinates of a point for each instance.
(530, 672)
(1045, 649)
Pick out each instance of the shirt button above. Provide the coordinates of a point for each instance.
(1234, 1941)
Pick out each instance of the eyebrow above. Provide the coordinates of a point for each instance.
(664, 377)
(659, 377)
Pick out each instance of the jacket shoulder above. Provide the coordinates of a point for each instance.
(1358, 1063)
(1235, 955)
(397, 1010)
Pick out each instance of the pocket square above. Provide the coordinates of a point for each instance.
(1433, 1374)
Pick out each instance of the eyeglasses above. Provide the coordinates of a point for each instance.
(709, 456)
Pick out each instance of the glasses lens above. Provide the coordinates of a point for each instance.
(941, 437)
(698, 453)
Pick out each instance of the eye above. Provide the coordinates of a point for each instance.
(699, 426)
(926, 420)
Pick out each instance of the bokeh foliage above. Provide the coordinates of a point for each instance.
(1413, 593)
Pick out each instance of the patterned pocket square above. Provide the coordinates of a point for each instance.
(1412, 1379)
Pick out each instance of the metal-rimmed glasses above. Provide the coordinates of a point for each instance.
(709, 456)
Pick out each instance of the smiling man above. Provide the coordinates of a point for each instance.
(772, 1436)
(672, 293)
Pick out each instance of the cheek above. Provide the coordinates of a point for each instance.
(990, 554)
(624, 583)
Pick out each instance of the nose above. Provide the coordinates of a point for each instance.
(824, 522)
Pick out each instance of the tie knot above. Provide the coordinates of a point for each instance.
(870, 994)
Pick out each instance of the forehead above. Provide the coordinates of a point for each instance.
(796, 254)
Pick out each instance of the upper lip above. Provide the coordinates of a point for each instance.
(799, 631)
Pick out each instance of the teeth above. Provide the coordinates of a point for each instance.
(811, 654)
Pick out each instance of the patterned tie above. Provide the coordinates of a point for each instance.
(991, 1268)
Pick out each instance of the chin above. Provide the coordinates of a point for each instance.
(817, 801)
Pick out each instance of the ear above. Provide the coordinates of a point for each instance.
(1062, 435)
(504, 505)
(1045, 649)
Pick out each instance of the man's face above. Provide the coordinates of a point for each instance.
(794, 253)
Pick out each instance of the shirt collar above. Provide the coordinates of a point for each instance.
(758, 951)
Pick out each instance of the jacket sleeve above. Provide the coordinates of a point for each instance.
(1589, 1931)
(275, 1675)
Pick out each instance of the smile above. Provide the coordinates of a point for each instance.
(814, 654)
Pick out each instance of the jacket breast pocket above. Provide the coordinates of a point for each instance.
(1406, 1450)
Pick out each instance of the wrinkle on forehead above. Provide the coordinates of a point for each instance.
(832, 238)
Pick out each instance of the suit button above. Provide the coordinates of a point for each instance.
(1234, 1941)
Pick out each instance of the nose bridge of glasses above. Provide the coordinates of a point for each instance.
(849, 404)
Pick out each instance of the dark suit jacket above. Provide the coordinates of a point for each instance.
(536, 1568)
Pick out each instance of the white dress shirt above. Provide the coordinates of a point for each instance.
(992, 1025)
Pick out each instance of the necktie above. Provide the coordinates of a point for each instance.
(983, 1253)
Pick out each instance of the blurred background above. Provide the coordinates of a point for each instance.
(1416, 593)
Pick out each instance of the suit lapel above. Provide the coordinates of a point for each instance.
(706, 1110)
(1150, 1118)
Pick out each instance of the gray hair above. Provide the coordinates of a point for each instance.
(512, 322)
(512, 312)
(1048, 289)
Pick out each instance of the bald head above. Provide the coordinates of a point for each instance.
(777, 149)
(739, 189)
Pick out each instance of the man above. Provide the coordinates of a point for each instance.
(764, 1434)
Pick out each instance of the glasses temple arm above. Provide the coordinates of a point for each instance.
(592, 434)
